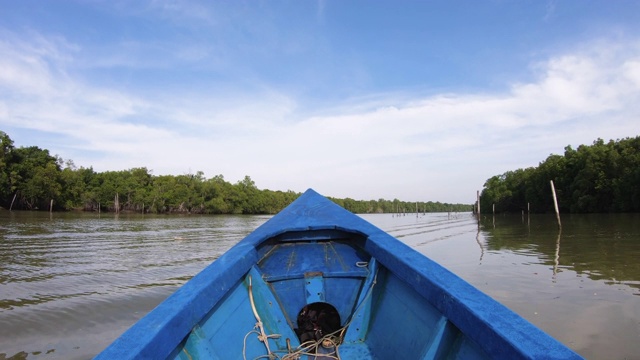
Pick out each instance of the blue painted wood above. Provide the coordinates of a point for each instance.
(339, 265)
(334, 259)
(197, 346)
(314, 287)
(416, 308)
(359, 322)
(227, 324)
(402, 318)
(442, 341)
(271, 314)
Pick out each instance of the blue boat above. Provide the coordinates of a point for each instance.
(318, 282)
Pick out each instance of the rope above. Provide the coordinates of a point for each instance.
(329, 339)
(309, 348)
(262, 335)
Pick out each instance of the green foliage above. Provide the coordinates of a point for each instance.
(6, 158)
(35, 178)
(28, 174)
(397, 206)
(603, 177)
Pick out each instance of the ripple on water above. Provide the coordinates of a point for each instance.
(71, 283)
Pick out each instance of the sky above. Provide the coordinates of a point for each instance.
(414, 100)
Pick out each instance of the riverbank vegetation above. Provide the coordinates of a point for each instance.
(32, 179)
(598, 178)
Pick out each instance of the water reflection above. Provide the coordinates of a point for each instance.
(480, 243)
(556, 259)
(601, 246)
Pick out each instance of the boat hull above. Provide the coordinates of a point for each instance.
(316, 281)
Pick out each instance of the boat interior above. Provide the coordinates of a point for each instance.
(318, 294)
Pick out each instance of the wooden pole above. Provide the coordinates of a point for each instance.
(51, 206)
(555, 203)
(478, 196)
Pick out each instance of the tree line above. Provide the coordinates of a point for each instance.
(32, 179)
(598, 178)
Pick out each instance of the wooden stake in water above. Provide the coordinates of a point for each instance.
(555, 203)
(478, 196)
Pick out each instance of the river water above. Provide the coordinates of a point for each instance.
(71, 283)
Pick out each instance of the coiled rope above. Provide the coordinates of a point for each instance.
(309, 348)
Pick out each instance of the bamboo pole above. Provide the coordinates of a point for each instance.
(555, 203)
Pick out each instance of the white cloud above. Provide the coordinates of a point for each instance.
(631, 70)
(441, 147)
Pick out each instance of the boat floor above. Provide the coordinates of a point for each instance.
(382, 317)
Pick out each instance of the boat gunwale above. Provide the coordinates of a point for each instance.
(500, 332)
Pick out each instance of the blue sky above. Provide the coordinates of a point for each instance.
(416, 100)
